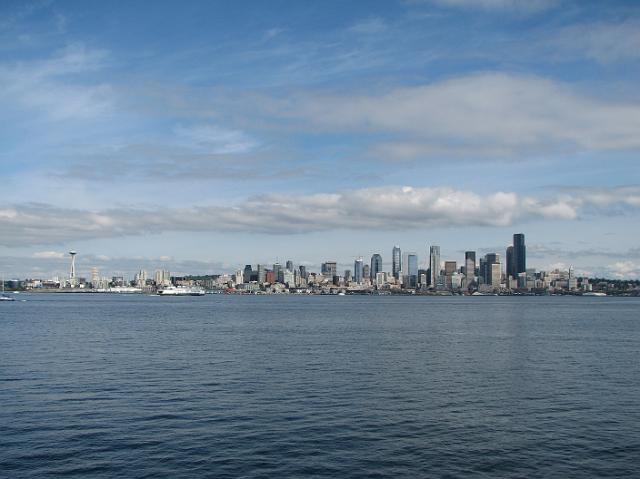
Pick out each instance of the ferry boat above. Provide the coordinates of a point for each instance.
(180, 291)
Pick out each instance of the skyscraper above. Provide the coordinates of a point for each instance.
(376, 266)
(491, 270)
(519, 254)
(410, 269)
(511, 270)
(329, 269)
(289, 265)
(396, 258)
(358, 271)
(470, 266)
(434, 266)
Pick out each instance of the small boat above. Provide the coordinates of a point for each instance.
(4, 297)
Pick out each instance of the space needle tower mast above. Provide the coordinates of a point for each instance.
(72, 273)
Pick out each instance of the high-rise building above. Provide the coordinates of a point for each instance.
(289, 265)
(262, 274)
(366, 272)
(376, 266)
(277, 273)
(358, 271)
(519, 254)
(329, 269)
(470, 266)
(434, 266)
(303, 271)
(511, 266)
(396, 258)
(347, 276)
(246, 274)
(491, 269)
(410, 269)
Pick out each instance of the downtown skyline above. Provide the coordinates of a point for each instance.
(244, 132)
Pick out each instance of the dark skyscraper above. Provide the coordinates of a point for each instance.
(376, 266)
(396, 262)
(519, 254)
(511, 270)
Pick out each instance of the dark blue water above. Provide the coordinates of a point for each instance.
(349, 387)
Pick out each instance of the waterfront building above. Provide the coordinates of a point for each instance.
(261, 274)
(366, 273)
(396, 258)
(434, 267)
(347, 276)
(376, 266)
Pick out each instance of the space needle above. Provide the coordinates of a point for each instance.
(72, 273)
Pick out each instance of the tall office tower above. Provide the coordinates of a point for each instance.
(396, 258)
(329, 269)
(491, 273)
(246, 274)
(289, 265)
(277, 272)
(303, 271)
(262, 276)
(511, 269)
(519, 254)
(366, 272)
(410, 269)
(358, 271)
(347, 276)
(496, 275)
(470, 266)
(434, 266)
(376, 266)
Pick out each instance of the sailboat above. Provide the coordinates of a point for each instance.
(4, 297)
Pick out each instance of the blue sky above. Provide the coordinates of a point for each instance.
(200, 136)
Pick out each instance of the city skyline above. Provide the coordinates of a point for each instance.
(236, 132)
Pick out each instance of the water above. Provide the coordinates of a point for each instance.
(349, 387)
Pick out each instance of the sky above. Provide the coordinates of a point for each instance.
(201, 136)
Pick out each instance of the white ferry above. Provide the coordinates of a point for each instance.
(180, 291)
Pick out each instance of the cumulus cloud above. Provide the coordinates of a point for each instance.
(482, 114)
(386, 208)
(624, 269)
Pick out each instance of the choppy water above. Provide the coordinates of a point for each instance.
(349, 387)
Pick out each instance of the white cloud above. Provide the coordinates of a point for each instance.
(370, 26)
(215, 139)
(624, 269)
(48, 255)
(602, 41)
(482, 114)
(387, 208)
(53, 86)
